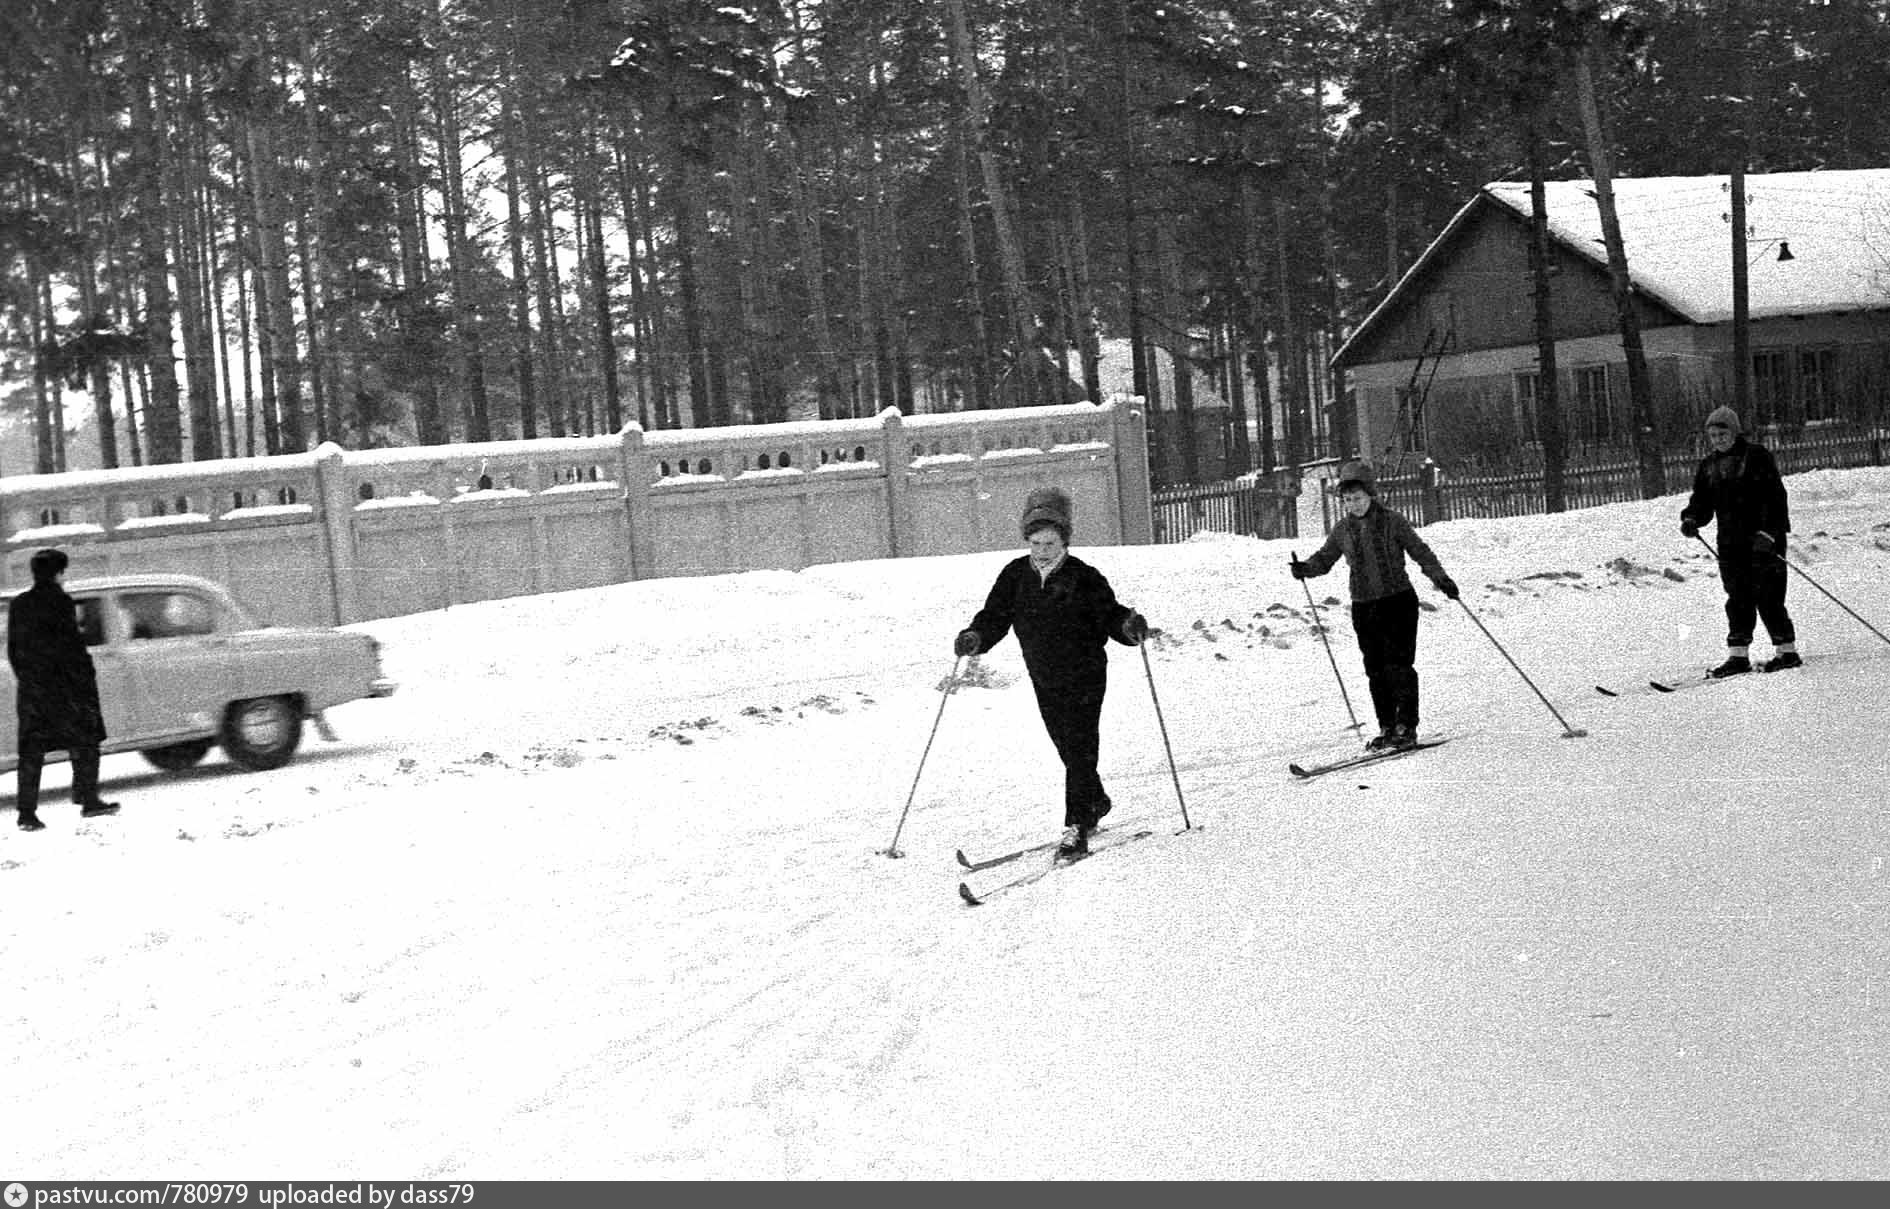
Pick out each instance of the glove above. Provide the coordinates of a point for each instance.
(1298, 569)
(1762, 543)
(967, 643)
(1689, 527)
(1135, 629)
(1448, 587)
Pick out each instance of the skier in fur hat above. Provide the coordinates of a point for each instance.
(1374, 540)
(1063, 611)
(1738, 485)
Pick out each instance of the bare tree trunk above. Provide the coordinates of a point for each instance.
(980, 376)
(705, 408)
(550, 337)
(1292, 368)
(165, 433)
(1176, 339)
(458, 243)
(591, 206)
(35, 325)
(1548, 387)
(239, 267)
(657, 318)
(194, 309)
(309, 238)
(91, 307)
(1010, 251)
(521, 281)
(1640, 397)
(278, 313)
(419, 324)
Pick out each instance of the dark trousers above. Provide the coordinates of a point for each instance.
(1074, 720)
(1387, 638)
(1755, 588)
(84, 776)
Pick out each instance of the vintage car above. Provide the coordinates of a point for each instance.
(182, 666)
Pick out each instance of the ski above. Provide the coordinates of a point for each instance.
(1005, 858)
(992, 862)
(1370, 757)
(1118, 840)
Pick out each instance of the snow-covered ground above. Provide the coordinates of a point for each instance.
(601, 893)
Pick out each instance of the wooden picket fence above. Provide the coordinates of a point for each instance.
(1264, 506)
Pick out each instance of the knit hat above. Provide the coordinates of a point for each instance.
(1726, 416)
(1356, 473)
(1047, 505)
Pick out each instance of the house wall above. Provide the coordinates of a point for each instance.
(331, 536)
(1479, 291)
(1470, 410)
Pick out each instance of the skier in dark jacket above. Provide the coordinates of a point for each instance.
(1063, 611)
(1374, 540)
(57, 701)
(1738, 485)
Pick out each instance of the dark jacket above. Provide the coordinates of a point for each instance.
(58, 687)
(1375, 545)
(1741, 489)
(1062, 622)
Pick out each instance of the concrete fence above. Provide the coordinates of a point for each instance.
(333, 536)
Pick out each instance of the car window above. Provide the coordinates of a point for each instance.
(160, 614)
(91, 620)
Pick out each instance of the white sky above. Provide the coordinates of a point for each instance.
(599, 894)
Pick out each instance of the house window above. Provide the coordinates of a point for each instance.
(1594, 410)
(1771, 388)
(1817, 383)
(1525, 389)
(1411, 420)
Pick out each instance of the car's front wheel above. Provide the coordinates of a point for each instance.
(262, 733)
(178, 756)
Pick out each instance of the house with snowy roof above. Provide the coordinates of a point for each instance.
(1446, 365)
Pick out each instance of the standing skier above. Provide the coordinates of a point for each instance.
(1374, 540)
(1738, 485)
(1063, 611)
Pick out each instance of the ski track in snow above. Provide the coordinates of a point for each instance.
(601, 893)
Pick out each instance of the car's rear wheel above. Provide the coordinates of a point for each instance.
(262, 733)
(178, 756)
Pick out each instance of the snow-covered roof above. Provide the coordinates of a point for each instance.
(1677, 234)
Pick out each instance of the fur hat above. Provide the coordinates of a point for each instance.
(1047, 505)
(47, 564)
(1726, 416)
(1356, 473)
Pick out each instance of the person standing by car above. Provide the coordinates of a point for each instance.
(1738, 485)
(58, 705)
(1374, 540)
(1064, 611)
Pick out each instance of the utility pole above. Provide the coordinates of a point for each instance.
(1741, 322)
(1742, 334)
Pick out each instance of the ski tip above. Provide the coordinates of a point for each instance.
(963, 859)
(971, 900)
(1658, 687)
(1606, 692)
(1297, 771)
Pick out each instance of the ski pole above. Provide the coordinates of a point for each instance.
(1330, 658)
(1806, 576)
(1150, 672)
(892, 849)
(1572, 733)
